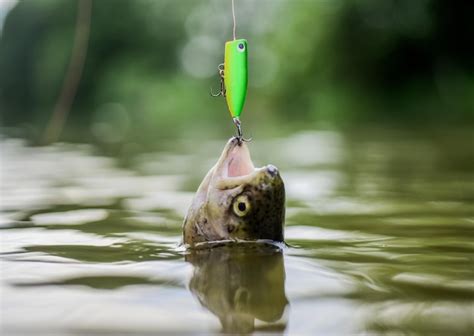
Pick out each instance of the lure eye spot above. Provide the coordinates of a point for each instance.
(241, 47)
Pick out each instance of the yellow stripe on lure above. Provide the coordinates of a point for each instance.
(234, 79)
(235, 75)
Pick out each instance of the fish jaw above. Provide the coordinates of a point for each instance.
(235, 160)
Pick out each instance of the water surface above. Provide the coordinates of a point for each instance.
(379, 227)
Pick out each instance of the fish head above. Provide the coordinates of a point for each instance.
(237, 200)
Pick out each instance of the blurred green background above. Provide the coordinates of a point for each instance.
(319, 64)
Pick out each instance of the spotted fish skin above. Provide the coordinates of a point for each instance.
(237, 201)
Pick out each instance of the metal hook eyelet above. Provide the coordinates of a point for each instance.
(240, 135)
(222, 91)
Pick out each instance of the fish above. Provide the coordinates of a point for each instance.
(236, 201)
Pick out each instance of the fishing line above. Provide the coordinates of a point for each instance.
(233, 75)
(233, 17)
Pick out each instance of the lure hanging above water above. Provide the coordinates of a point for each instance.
(234, 78)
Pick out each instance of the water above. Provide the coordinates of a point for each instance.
(379, 227)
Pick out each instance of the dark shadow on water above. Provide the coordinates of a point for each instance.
(244, 286)
(103, 282)
(131, 251)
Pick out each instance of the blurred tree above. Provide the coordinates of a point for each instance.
(328, 62)
(353, 61)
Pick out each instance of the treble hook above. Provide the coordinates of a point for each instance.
(240, 135)
(215, 94)
(222, 91)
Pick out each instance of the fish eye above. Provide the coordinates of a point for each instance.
(241, 206)
(241, 47)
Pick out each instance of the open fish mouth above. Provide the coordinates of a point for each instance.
(237, 163)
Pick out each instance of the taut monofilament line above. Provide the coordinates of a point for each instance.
(233, 75)
(233, 17)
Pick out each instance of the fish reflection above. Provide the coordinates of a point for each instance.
(243, 285)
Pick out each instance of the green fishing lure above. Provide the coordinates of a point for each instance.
(235, 76)
(234, 79)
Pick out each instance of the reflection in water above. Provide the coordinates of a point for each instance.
(244, 286)
(382, 224)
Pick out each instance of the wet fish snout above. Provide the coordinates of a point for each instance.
(272, 170)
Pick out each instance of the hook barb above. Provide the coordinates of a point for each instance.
(215, 94)
(240, 135)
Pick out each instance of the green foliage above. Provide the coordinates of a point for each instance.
(150, 64)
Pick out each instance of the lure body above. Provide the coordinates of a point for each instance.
(235, 75)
